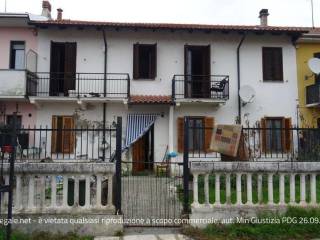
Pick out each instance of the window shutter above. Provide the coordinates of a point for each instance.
(70, 67)
(180, 122)
(266, 60)
(136, 61)
(263, 135)
(277, 64)
(209, 125)
(272, 63)
(288, 134)
(68, 135)
(153, 62)
(54, 135)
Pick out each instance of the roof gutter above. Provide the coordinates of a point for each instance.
(239, 76)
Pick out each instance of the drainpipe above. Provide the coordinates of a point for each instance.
(238, 74)
(104, 94)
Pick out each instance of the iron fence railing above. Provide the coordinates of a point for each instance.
(261, 144)
(46, 144)
(200, 86)
(78, 85)
(313, 94)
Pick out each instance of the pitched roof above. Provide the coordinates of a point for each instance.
(170, 26)
(150, 99)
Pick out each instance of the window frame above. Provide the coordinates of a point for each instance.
(152, 63)
(202, 129)
(264, 64)
(272, 148)
(12, 55)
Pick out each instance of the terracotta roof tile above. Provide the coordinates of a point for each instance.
(150, 99)
(175, 26)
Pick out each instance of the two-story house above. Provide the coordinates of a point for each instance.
(153, 75)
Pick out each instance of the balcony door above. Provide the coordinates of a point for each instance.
(197, 71)
(62, 68)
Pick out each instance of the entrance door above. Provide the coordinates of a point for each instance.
(142, 152)
(197, 71)
(62, 68)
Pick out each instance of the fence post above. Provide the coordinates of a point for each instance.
(186, 166)
(118, 166)
(11, 174)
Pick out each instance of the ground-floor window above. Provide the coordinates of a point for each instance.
(200, 133)
(275, 134)
(62, 138)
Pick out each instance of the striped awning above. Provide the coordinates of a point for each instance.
(137, 126)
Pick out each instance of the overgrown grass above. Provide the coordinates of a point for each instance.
(43, 236)
(281, 231)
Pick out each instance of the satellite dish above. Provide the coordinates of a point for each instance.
(314, 65)
(247, 94)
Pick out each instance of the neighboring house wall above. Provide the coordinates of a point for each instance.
(13, 82)
(26, 110)
(15, 34)
(308, 116)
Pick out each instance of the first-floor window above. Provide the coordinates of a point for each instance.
(17, 55)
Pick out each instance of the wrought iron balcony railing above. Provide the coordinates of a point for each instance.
(78, 85)
(200, 86)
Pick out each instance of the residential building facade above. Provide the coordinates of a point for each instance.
(89, 73)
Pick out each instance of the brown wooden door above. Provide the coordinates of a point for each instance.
(139, 155)
(70, 67)
(197, 71)
(68, 135)
(62, 138)
(206, 71)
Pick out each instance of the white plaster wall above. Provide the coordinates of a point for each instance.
(94, 113)
(14, 83)
(272, 99)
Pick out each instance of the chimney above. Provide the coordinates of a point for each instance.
(46, 9)
(263, 15)
(59, 14)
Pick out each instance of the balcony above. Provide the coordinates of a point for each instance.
(312, 95)
(13, 84)
(75, 86)
(200, 88)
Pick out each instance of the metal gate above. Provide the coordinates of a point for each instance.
(151, 193)
(8, 142)
(152, 196)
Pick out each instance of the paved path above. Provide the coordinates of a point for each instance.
(148, 234)
(150, 200)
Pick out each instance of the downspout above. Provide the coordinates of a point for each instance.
(104, 95)
(239, 77)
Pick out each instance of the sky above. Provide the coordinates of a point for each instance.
(282, 12)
